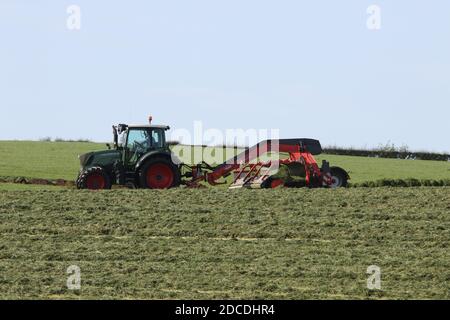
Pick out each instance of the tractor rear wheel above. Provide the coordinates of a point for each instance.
(94, 178)
(159, 173)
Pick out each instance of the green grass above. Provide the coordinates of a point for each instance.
(184, 243)
(369, 169)
(52, 160)
(48, 160)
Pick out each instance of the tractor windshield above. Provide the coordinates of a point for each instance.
(144, 139)
(138, 139)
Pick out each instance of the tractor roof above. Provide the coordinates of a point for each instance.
(148, 126)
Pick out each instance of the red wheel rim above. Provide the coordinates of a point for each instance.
(95, 181)
(275, 183)
(159, 176)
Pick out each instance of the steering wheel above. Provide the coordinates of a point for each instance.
(140, 145)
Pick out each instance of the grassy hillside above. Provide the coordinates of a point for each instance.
(53, 160)
(280, 244)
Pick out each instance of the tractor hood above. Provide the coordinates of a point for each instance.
(84, 158)
(100, 158)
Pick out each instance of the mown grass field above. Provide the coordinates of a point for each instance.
(54, 160)
(216, 243)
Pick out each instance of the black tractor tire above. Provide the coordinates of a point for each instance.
(159, 173)
(94, 178)
(339, 177)
(78, 181)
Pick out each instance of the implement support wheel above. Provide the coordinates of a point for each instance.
(339, 177)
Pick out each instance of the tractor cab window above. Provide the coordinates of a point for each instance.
(138, 140)
(157, 138)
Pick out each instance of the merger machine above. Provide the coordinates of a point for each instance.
(143, 159)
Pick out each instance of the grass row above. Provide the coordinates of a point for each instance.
(403, 183)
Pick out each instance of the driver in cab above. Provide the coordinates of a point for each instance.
(145, 144)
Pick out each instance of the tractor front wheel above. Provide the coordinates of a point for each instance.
(159, 173)
(94, 178)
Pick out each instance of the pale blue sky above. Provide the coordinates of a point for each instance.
(309, 68)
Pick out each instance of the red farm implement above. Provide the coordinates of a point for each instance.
(252, 172)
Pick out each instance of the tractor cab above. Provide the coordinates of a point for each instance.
(134, 141)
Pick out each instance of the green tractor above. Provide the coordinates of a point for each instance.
(139, 158)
